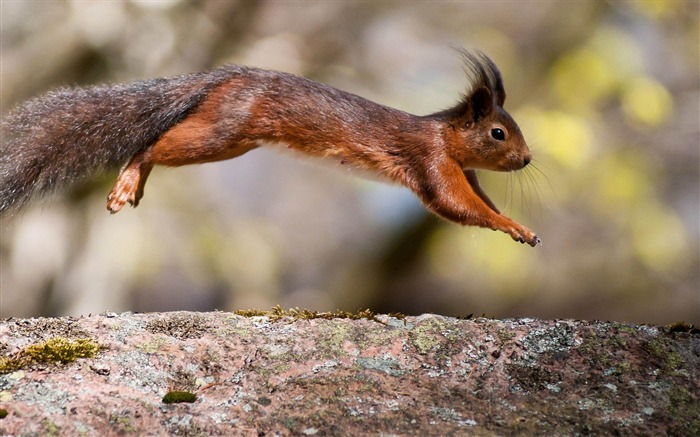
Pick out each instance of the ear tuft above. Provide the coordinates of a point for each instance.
(483, 72)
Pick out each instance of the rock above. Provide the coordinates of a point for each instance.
(377, 375)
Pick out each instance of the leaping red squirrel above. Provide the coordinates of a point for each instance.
(71, 133)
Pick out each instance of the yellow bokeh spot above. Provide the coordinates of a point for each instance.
(659, 238)
(566, 138)
(622, 180)
(444, 254)
(655, 8)
(620, 52)
(456, 254)
(583, 78)
(646, 101)
(586, 77)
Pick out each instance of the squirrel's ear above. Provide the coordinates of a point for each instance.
(481, 103)
(471, 109)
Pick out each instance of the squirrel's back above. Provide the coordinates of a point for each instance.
(70, 133)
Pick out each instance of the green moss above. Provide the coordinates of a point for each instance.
(252, 313)
(617, 342)
(57, 350)
(683, 327)
(628, 330)
(505, 335)
(591, 343)
(176, 397)
(277, 313)
(685, 409)
(674, 361)
(671, 359)
(3, 413)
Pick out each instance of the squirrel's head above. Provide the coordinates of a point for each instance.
(483, 134)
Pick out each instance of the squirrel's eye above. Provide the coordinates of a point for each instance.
(498, 134)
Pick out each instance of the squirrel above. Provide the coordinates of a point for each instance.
(71, 133)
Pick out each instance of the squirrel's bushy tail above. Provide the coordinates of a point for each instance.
(71, 133)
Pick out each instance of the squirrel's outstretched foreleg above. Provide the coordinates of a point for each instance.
(456, 195)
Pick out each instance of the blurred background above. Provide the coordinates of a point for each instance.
(607, 94)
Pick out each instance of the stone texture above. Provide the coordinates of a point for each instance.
(426, 375)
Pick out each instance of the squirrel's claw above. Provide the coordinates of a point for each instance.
(533, 241)
(524, 235)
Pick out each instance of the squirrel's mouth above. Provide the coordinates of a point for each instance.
(474, 182)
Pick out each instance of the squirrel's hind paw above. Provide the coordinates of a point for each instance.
(126, 189)
(117, 199)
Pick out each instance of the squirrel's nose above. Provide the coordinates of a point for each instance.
(527, 160)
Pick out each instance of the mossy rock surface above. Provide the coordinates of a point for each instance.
(307, 373)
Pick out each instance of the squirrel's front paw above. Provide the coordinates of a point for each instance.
(524, 235)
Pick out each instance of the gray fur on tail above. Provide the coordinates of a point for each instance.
(69, 134)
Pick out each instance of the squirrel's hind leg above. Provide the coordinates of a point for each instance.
(130, 183)
(202, 136)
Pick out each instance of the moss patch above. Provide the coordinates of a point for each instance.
(683, 327)
(277, 313)
(664, 351)
(57, 350)
(505, 335)
(176, 397)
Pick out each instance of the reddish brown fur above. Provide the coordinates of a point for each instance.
(433, 155)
